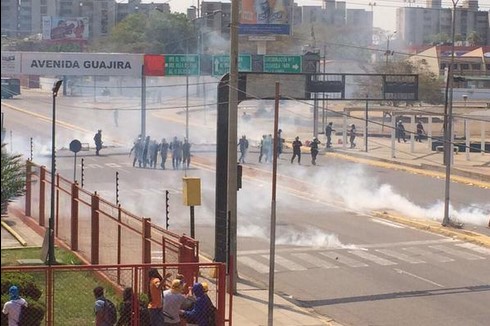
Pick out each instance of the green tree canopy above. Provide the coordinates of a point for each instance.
(156, 33)
(13, 177)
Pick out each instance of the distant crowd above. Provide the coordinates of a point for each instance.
(146, 152)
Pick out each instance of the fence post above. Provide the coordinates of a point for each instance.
(222, 294)
(42, 195)
(94, 251)
(74, 216)
(186, 255)
(119, 242)
(146, 233)
(28, 187)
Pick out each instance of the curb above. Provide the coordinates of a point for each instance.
(464, 235)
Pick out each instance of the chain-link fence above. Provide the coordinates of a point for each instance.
(64, 295)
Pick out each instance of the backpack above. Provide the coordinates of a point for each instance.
(110, 313)
(212, 315)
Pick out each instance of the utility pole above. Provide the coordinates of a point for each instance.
(448, 122)
(232, 143)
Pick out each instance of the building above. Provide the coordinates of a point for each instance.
(426, 25)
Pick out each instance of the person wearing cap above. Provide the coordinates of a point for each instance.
(314, 150)
(296, 150)
(13, 307)
(202, 308)
(173, 299)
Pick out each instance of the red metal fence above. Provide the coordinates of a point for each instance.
(100, 231)
(66, 296)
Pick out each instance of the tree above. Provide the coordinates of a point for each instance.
(154, 33)
(429, 84)
(473, 38)
(13, 177)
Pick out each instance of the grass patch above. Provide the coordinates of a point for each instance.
(73, 296)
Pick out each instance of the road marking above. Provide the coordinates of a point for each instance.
(457, 253)
(392, 224)
(401, 256)
(474, 247)
(343, 259)
(366, 255)
(315, 261)
(252, 263)
(286, 263)
(418, 277)
(428, 254)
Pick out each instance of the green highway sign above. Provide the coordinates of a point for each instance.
(282, 63)
(221, 64)
(182, 65)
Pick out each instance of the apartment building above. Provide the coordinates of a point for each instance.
(423, 25)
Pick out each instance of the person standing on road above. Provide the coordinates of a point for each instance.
(352, 135)
(314, 150)
(98, 142)
(420, 132)
(154, 148)
(13, 307)
(186, 153)
(243, 146)
(400, 132)
(164, 152)
(146, 149)
(280, 143)
(176, 148)
(296, 150)
(261, 154)
(328, 132)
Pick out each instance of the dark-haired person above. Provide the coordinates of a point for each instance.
(155, 305)
(296, 150)
(314, 150)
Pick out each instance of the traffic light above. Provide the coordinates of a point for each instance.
(239, 177)
(167, 201)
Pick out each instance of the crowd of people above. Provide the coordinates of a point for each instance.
(147, 151)
(168, 305)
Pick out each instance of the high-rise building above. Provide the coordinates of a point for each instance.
(417, 25)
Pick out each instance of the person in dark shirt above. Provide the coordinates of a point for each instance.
(296, 150)
(314, 150)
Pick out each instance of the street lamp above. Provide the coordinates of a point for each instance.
(388, 52)
(51, 257)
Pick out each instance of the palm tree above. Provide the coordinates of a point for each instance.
(13, 177)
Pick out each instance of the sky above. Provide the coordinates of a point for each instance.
(384, 10)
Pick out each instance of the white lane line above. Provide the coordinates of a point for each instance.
(315, 261)
(375, 259)
(343, 259)
(387, 223)
(457, 253)
(400, 271)
(474, 247)
(256, 265)
(428, 255)
(401, 256)
(286, 263)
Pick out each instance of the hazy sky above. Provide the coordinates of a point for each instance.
(384, 10)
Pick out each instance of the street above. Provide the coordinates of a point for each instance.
(332, 254)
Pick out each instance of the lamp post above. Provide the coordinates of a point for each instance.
(51, 257)
(387, 53)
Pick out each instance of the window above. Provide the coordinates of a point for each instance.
(464, 66)
(476, 66)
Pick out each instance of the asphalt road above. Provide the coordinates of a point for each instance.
(332, 255)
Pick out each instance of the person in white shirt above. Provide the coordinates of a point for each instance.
(13, 307)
